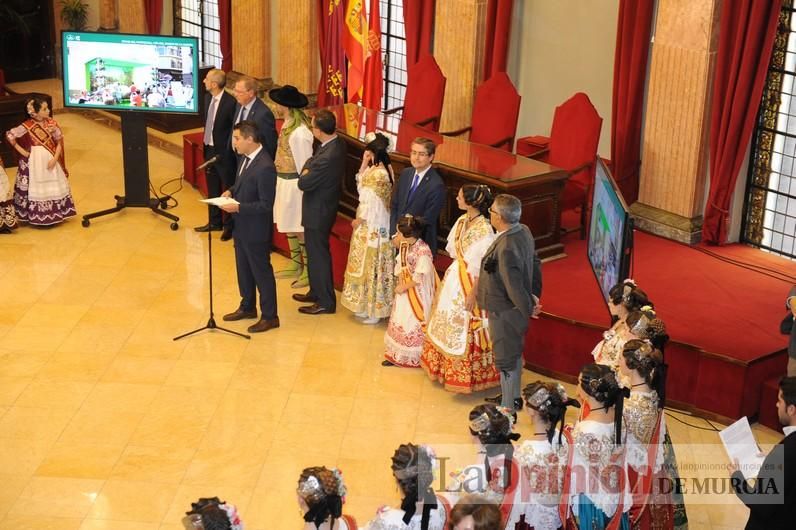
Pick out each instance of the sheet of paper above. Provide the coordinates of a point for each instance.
(219, 201)
(739, 442)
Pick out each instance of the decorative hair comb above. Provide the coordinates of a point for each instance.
(538, 401)
(309, 487)
(643, 351)
(481, 423)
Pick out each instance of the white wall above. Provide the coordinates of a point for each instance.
(557, 48)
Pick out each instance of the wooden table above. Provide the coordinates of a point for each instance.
(538, 185)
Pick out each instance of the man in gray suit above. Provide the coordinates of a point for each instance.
(505, 291)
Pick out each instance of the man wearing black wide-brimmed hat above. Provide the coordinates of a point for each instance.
(293, 149)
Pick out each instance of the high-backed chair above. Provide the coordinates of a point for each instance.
(495, 112)
(572, 146)
(425, 93)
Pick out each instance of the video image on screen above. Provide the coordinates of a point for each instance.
(129, 72)
(607, 232)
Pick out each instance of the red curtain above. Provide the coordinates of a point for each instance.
(498, 31)
(630, 75)
(746, 39)
(225, 23)
(330, 33)
(419, 26)
(154, 12)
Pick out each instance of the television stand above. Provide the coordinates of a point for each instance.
(136, 172)
(121, 204)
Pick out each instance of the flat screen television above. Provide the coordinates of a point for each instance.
(610, 232)
(124, 72)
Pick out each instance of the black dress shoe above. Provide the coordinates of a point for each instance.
(226, 235)
(497, 399)
(518, 404)
(304, 298)
(385, 362)
(264, 325)
(208, 228)
(315, 309)
(239, 314)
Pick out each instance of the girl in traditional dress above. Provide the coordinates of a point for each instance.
(321, 495)
(542, 459)
(413, 468)
(416, 280)
(368, 286)
(8, 215)
(293, 149)
(458, 351)
(495, 477)
(41, 192)
(595, 494)
(652, 465)
(624, 298)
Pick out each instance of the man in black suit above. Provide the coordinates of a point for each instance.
(255, 190)
(421, 191)
(253, 109)
(320, 181)
(506, 292)
(219, 111)
(771, 502)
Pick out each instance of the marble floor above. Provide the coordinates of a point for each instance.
(107, 423)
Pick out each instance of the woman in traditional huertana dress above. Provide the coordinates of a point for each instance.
(458, 351)
(494, 477)
(369, 275)
(414, 468)
(8, 215)
(542, 458)
(321, 495)
(652, 465)
(624, 298)
(416, 280)
(41, 192)
(595, 494)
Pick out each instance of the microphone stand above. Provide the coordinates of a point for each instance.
(211, 322)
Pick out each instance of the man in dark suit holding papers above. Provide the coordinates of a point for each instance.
(772, 499)
(254, 190)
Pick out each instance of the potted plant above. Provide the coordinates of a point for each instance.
(74, 13)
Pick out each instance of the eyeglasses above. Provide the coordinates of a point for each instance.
(420, 153)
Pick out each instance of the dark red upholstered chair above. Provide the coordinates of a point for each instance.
(572, 146)
(495, 112)
(425, 93)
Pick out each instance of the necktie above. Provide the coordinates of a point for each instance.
(242, 114)
(211, 117)
(413, 187)
(244, 165)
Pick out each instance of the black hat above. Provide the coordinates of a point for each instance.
(288, 96)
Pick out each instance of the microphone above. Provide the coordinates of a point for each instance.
(208, 162)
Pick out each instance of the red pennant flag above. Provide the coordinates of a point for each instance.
(374, 81)
(333, 80)
(355, 41)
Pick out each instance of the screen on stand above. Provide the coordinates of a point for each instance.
(113, 71)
